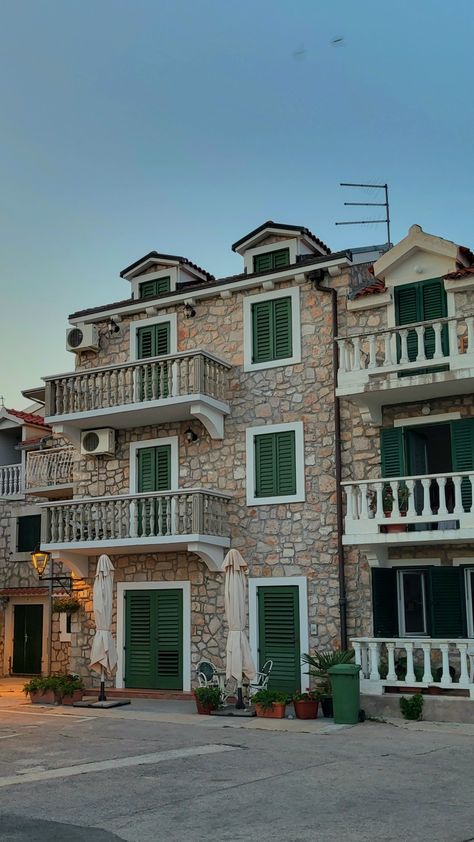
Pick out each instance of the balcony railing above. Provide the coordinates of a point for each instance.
(157, 378)
(11, 480)
(414, 662)
(136, 519)
(423, 502)
(48, 469)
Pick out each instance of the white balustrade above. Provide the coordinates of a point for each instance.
(11, 480)
(442, 499)
(156, 378)
(96, 520)
(408, 347)
(414, 663)
(49, 468)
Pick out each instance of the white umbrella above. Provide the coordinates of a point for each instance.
(104, 652)
(239, 661)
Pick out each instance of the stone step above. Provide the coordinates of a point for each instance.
(435, 708)
(127, 693)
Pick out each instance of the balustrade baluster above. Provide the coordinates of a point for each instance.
(155, 506)
(410, 484)
(356, 645)
(374, 661)
(458, 507)
(404, 358)
(391, 673)
(96, 515)
(364, 503)
(442, 510)
(90, 530)
(387, 349)
(349, 489)
(463, 671)
(420, 333)
(372, 352)
(341, 343)
(395, 485)
(426, 511)
(61, 519)
(438, 349)
(427, 674)
(133, 518)
(356, 350)
(379, 499)
(446, 679)
(410, 677)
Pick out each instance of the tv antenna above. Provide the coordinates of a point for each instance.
(385, 205)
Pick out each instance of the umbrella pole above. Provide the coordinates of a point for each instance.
(102, 696)
(240, 702)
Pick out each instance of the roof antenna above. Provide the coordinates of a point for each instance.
(2, 402)
(371, 204)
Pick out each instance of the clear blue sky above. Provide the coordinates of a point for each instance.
(180, 125)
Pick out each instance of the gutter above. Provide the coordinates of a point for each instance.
(317, 278)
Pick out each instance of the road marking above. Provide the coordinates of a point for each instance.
(116, 763)
(47, 713)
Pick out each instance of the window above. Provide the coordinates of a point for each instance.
(156, 286)
(412, 602)
(68, 623)
(275, 464)
(271, 260)
(423, 301)
(153, 341)
(272, 333)
(28, 533)
(469, 586)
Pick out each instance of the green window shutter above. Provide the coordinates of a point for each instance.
(262, 263)
(462, 450)
(163, 467)
(286, 463)
(157, 286)
(153, 341)
(385, 602)
(146, 469)
(169, 642)
(262, 332)
(139, 649)
(281, 258)
(392, 451)
(278, 635)
(275, 464)
(162, 339)
(433, 306)
(408, 311)
(447, 602)
(29, 533)
(282, 328)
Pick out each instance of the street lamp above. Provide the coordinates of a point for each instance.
(39, 560)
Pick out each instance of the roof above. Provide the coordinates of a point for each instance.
(300, 229)
(229, 279)
(372, 289)
(27, 417)
(462, 272)
(158, 255)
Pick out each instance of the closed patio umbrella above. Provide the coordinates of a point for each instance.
(104, 652)
(239, 662)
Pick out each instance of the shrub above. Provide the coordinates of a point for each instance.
(412, 708)
(266, 698)
(209, 696)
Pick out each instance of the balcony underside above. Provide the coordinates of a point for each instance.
(209, 411)
(375, 391)
(211, 549)
(377, 545)
(52, 492)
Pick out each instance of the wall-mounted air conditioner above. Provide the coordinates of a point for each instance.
(82, 338)
(98, 442)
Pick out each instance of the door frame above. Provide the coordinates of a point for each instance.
(9, 629)
(301, 582)
(148, 586)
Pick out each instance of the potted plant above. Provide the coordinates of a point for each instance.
(70, 689)
(387, 504)
(41, 690)
(306, 704)
(66, 604)
(319, 664)
(270, 703)
(207, 699)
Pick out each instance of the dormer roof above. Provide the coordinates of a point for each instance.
(154, 258)
(419, 240)
(277, 228)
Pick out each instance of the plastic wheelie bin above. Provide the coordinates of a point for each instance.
(345, 685)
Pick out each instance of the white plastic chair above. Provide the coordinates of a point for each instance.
(260, 682)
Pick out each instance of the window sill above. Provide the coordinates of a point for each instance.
(275, 501)
(273, 363)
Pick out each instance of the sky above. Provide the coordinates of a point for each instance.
(179, 126)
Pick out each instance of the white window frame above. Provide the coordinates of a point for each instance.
(26, 511)
(165, 272)
(135, 447)
(401, 603)
(145, 586)
(299, 497)
(301, 583)
(154, 320)
(249, 300)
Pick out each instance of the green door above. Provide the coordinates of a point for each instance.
(462, 452)
(278, 635)
(27, 639)
(422, 302)
(154, 639)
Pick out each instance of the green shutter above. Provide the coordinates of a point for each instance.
(282, 328)
(29, 533)
(275, 464)
(462, 447)
(422, 302)
(271, 260)
(157, 286)
(154, 474)
(163, 467)
(281, 258)
(447, 602)
(392, 451)
(146, 469)
(408, 311)
(145, 342)
(154, 639)
(154, 340)
(262, 263)
(278, 635)
(384, 602)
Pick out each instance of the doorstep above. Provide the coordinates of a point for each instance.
(127, 693)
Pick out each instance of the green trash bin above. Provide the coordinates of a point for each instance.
(345, 685)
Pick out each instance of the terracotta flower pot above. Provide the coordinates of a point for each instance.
(73, 697)
(203, 709)
(275, 711)
(46, 698)
(306, 708)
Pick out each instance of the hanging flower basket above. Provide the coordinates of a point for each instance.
(66, 604)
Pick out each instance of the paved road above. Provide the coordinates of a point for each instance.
(74, 778)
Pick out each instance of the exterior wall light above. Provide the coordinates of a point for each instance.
(190, 435)
(39, 561)
(112, 327)
(189, 311)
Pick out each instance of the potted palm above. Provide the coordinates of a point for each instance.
(270, 704)
(306, 704)
(319, 664)
(207, 699)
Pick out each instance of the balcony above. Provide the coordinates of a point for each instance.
(153, 391)
(411, 363)
(192, 520)
(433, 508)
(11, 481)
(49, 472)
(414, 663)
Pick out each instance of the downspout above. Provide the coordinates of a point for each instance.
(317, 278)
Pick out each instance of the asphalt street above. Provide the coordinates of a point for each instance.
(74, 777)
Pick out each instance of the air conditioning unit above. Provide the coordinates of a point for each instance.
(98, 442)
(82, 338)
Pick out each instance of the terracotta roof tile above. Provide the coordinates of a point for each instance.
(23, 591)
(462, 272)
(373, 289)
(27, 417)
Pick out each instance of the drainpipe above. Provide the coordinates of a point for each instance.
(317, 278)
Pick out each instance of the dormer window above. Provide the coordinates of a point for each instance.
(271, 260)
(156, 286)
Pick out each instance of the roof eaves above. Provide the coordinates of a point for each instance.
(280, 226)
